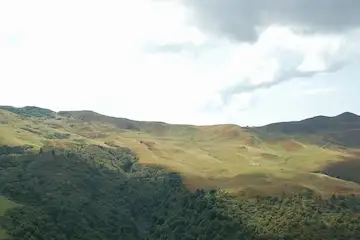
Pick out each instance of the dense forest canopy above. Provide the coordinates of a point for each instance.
(92, 192)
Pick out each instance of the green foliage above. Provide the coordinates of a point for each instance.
(30, 111)
(224, 156)
(319, 124)
(301, 216)
(6, 150)
(92, 192)
(341, 131)
(5, 204)
(58, 135)
(74, 195)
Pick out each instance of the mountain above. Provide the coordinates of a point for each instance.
(83, 175)
(343, 122)
(342, 130)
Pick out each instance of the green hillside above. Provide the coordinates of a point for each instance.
(30, 111)
(232, 157)
(5, 205)
(225, 156)
(342, 130)
(83, 175)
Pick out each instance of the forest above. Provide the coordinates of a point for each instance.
(89, 192)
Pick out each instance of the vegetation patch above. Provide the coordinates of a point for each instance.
(77, 183)
(93, 192)
(6, 150)
(5, 205)
(30, 111)
(58, 135)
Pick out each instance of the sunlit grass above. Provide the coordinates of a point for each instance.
(5, 205)
(224, 156)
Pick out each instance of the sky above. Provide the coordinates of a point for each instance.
(183, 61)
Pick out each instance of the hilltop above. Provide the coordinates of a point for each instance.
(278, 157)
(80, 175)
(320, 124)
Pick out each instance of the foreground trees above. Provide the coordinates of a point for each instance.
(91, 192)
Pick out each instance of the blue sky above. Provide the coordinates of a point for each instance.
(182, 61)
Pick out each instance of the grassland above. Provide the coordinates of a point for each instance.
(222, 156)
(5, 205)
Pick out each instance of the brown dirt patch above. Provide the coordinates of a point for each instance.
(291, 146)
(150, 145)
(250, 141)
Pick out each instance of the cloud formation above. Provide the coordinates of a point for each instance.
(241, 19)
(281, 55)
(325, 90)
(279, 41)
(155, 62)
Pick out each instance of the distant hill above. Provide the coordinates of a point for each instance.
(157, 128)
(320, 124)
(30, 111)
(121, 123)
(343, 129)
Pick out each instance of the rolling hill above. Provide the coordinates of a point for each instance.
(280, 157)
(80, 175)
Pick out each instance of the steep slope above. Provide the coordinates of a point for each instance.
(226, 156)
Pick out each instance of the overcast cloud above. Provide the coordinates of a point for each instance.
(289, 39)
(240, 19)
(180, 61)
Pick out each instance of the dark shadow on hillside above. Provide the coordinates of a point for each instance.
(346, 138)
(68, 195)
(74, 195)
(319, 124)
(348, 169)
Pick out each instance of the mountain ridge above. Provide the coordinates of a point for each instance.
(343, 115)
(227, 156)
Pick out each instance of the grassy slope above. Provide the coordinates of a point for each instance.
(5, 205)
(225, 156)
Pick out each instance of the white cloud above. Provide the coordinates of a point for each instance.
(92, 55)
(319, 91)
(85, 53)
(281, 55)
